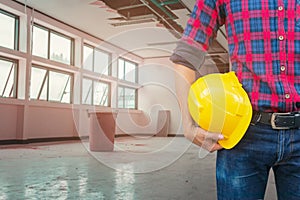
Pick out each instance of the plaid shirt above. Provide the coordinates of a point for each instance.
(264, 46)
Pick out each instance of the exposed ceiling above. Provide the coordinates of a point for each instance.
(144, 11)
(148, 28)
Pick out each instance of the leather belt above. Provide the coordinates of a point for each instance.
(289, 120)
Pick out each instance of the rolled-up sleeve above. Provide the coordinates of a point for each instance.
(188, 56)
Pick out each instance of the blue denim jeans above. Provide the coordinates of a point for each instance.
(242, 172)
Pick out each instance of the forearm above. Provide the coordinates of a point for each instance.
(184, 77)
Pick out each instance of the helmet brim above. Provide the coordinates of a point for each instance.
(240, 130)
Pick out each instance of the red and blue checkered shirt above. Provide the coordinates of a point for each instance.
(263, 42)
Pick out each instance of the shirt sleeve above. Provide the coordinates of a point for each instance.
(188, 56)
(201, 29)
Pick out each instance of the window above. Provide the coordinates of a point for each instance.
(88, 57)
(127, 70)
(126, 97)
(8, 78)
(50, 85)
(40, 42)
(96, 60)
(60, 48)
(52, 45)
(95, 92)
(9, 30)
(101, 92)
(87, 90)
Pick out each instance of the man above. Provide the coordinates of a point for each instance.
(264, 48)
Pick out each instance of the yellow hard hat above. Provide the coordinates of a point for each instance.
(218, 103)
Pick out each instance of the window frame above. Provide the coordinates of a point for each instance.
(124, 70)
(16, 28)
(16, 75)
(124, 100)
(51, 31)
(48, 70)
(93, 92)
(93, 59)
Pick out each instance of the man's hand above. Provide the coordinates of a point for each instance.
(205, 139)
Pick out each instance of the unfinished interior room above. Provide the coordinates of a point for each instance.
(88, 102)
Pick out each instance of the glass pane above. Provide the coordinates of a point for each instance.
(66, 98)
(100, 94)
(121, 69)
(10, 84)
(101, 62)
(120, 97)
(45, 90)
(129, 98)
(7, 31)
(130, 69)
(87, 58)
(40, 42)
(37, 78)
(7, 78)
(87, 91)
(58, 84)
(60, 49)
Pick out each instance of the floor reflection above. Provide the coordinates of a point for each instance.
(124, 183)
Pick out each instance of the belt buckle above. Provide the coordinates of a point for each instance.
(273, 120)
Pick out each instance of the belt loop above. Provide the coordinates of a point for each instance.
(255, 118)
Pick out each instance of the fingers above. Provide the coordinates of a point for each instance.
(208, 140)
(213, 136)
(210, 145)
(215, 148)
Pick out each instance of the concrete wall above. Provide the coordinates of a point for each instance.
(20, 121)
(157, 92)
(45, 122)
(10, 117)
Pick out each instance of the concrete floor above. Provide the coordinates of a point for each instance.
(139, 168)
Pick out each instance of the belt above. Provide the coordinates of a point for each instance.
(289, 120)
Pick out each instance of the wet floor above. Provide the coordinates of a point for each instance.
(139, 168)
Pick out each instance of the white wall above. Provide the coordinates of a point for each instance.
(157, 92)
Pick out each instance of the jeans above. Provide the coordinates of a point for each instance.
(242, 172)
